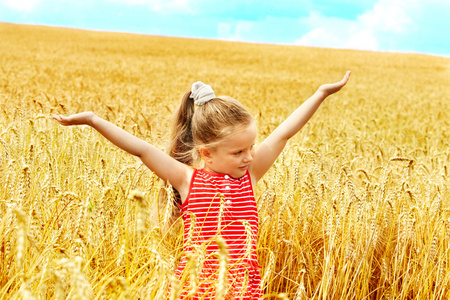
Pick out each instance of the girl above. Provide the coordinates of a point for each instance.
(217, 200)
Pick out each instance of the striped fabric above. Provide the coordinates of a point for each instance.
(218, 205)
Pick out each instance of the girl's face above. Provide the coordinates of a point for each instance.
(233, 155)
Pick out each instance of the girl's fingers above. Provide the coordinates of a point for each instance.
(346, 76)
(56, 117)
(59, 119)
(344, 80)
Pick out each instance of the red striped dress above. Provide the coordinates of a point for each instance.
(219, 205)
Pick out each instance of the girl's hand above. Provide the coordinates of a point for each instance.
(84, 118)
(332, 88)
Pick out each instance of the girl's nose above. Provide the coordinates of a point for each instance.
(248, 156)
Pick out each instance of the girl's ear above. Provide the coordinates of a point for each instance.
(205, 153)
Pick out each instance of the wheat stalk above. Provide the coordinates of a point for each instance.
(222, 285)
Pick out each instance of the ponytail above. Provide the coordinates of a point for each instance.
(182, 142)
(180, 148)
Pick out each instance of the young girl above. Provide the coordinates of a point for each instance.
(217, 199)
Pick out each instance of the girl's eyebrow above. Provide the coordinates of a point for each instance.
(233, 150)
(237, 149)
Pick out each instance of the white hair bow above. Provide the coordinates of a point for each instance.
(201, 93)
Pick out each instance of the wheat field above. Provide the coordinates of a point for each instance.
(356, 207)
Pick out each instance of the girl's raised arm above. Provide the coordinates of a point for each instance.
(268, 151)
(164, 166)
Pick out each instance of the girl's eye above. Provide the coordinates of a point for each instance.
(237, 153)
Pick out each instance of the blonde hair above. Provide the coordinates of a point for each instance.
(206, 125)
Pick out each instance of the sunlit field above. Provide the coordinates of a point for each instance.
(356, 207)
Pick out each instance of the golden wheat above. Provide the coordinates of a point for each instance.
(356, 207)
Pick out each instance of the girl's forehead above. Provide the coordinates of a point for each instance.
(241, 137)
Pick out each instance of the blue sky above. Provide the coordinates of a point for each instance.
(421, 26)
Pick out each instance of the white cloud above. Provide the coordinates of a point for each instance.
(240, 31)
(385, 19)
(343, 34)
(321, 37)
(362, 40)
(21, 5)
